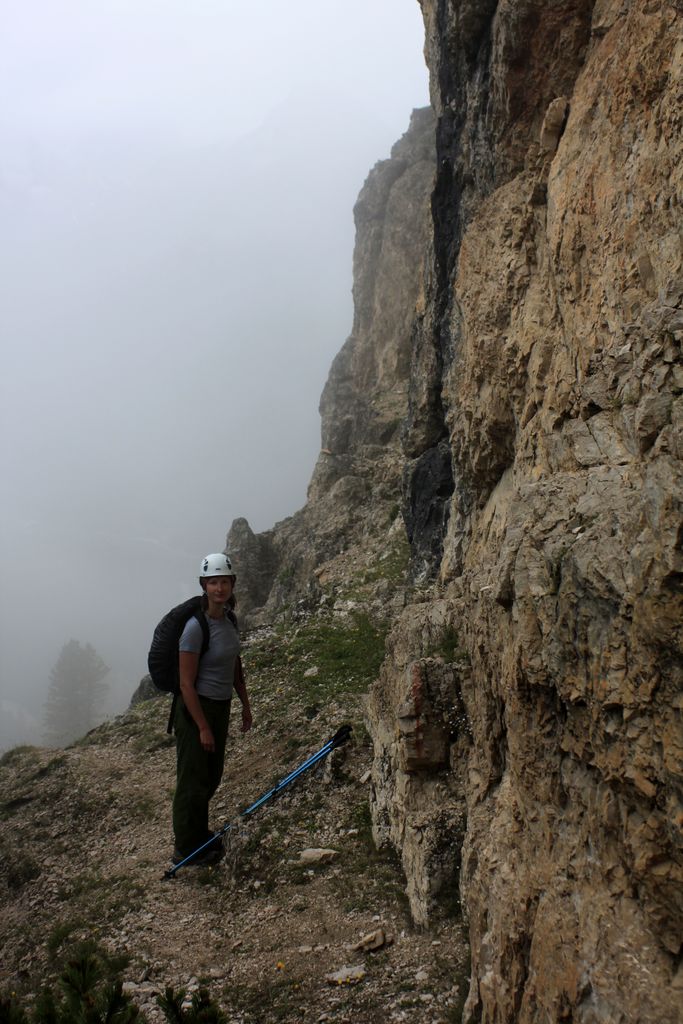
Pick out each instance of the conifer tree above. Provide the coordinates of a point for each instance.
(75, 695)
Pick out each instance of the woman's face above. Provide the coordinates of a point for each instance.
(219, 588)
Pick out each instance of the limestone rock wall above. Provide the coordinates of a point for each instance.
(536, 764)
(351, 519)
(514, 380)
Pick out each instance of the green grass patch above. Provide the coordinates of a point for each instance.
(448, 647)
(348, 654)
(392, 565)
(149, 742)
(266, 656)
(16, 754)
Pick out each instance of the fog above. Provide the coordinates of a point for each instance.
(176, 190)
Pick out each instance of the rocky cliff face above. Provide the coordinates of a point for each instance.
(351, 528)
(544, 440)
(527, 720)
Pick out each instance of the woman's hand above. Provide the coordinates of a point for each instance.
(206, 739)
(241, 690)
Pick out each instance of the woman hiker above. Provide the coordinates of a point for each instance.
(201, 720)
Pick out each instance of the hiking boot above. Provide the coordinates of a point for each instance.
(217, 844)
(211, 855)
(208, 857)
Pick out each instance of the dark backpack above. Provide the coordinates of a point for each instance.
(162, 660)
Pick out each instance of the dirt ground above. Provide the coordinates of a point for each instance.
(85, 839)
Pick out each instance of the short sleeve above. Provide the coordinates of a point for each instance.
(191, 637)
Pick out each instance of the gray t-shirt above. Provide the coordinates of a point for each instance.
(217, 667)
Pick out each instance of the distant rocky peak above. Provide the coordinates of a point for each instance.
(355, 490)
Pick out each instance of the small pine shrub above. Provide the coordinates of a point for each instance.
(85, 995)
(202, 1009)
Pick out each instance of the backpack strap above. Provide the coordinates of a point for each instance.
(201, 619)
(171, 714)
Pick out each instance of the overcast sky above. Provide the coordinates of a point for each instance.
(177, 179)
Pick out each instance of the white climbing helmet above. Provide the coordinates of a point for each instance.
(216, 565)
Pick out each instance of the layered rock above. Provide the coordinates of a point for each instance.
(514, 377)
(544, 496)
(351, 519)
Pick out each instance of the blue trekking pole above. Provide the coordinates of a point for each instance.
(340, 737)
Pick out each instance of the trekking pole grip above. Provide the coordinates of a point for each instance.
(341, 736)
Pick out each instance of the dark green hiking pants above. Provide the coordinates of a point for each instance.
(198, 773)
